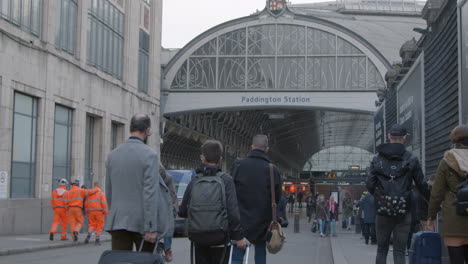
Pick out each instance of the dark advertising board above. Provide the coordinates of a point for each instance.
(379, 126)
(409, 107)
(463, 31)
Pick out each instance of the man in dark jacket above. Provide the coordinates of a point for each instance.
(252, 179)
(392, 173)
(368, 209)
(212, 158)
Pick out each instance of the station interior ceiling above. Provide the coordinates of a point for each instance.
(295, 135)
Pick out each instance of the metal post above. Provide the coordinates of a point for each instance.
(297, 214)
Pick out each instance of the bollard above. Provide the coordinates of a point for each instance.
(297, 214)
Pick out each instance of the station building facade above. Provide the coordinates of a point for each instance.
(72, 73)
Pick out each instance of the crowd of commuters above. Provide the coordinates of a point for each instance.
(399, 201)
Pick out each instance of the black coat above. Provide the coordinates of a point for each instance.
(367, 205)
(252, 179)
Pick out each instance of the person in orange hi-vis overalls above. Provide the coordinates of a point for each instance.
(75, 198)
(59, 205)
(96, 210)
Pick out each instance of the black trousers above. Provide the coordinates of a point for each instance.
(458, 255)
(369, 232)
(400, 227)
(124, 240)
(211, 255)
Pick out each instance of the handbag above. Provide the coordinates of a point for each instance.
(313, 229)
(275, 236)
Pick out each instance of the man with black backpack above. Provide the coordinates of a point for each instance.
(210, 205)
(392, 173)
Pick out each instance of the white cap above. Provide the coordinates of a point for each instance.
(63, 182)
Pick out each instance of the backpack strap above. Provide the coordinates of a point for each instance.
(273, 197)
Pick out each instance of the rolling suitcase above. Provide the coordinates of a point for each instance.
(426, 248)
(130, 257)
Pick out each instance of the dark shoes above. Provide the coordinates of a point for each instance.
(51, 236)
(75, 236)
(168, 254)
(97, 242)
(88, 237)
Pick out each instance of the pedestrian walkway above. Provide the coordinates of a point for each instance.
(10, 245)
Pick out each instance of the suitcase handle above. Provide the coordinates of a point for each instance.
(155, 250)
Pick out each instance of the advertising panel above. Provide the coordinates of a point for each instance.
(379, 126)
(410, 107)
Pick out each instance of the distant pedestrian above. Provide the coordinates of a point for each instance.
(291, 202)
(96, 211)
(209, 232)
(252, 178)
(300, 196)
(332, 207)
(452, 171)
(133, 190)
(323, 214)
(367, 206)
(347, 206)
(281, 212)
(392, 173)
(310, 206)
(169, 181)
(59, 205)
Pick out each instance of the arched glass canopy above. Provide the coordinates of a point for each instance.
(277, 57)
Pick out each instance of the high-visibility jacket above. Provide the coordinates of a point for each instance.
(96, 202)
(76, 195)
(58, 199)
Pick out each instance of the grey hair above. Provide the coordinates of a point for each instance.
(260, 142)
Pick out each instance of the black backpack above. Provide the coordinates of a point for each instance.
(392, 199)
(461, 195)
(207, 211)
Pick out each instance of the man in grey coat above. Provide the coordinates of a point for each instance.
(133, 190)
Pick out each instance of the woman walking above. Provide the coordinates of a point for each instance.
(332, 207)
(452, 172)
(322, 214)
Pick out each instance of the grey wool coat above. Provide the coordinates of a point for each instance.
(137, 196)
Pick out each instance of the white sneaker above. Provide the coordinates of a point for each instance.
(322, 235)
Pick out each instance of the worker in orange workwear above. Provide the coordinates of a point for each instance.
(96, 210)
(75, 198)
(59, 205)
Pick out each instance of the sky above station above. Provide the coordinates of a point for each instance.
(183, 20)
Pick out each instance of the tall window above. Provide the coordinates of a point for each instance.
(62, 144)
(23, 13)
(23, 163)
(116, 134)
(66, 25)
(143, 62)
(89, 151)
(105, 37)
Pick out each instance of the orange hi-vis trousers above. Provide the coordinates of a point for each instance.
(75, 218)
(60, 217)
(96, 222)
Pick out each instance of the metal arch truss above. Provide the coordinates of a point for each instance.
(295, 135)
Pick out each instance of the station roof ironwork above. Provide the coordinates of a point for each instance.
(310, 47)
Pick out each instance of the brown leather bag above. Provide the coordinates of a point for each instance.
(275, 234)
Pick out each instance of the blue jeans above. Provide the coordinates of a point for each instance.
(168, 242)
(260, 254)
(323, 226)
(333, 226)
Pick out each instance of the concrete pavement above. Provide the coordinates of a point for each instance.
(10, 245)
(301, 248)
